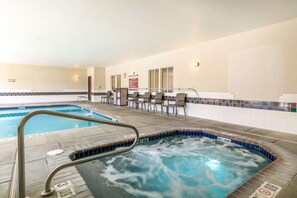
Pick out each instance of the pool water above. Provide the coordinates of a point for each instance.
(10, 118)
(178, 166)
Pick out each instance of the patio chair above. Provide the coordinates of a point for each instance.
(110, 98)
(180, 101)
(133, 100)
(158, 101)
(146, 100)
(105, 97)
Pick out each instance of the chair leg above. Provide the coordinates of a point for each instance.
(185, 110)
(176, 112)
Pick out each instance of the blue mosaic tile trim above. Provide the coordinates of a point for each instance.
(100, 150)
(40, 93)
(263, 105)
(112, 147)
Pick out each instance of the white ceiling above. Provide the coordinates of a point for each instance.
(84, 33)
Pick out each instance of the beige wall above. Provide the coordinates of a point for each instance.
(260, 64)
(41, 78)
(98, 78)
(99, 81)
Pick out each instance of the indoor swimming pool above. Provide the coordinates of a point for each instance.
(177, 166)
(10, 118)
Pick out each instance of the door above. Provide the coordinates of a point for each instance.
(90, 88)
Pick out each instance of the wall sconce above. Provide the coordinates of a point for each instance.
(76, 77)
(196, 64)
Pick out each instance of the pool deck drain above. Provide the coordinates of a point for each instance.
(282, 172)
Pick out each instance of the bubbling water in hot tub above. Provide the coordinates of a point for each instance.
(181, 167)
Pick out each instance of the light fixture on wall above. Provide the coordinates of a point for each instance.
(196, 64)
(76, 77)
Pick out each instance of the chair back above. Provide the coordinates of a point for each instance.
(135, 95)
(147, 97)
(159, 98)
(108, 94)
(180, 99)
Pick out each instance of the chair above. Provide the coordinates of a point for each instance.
(158, 101)
(110, 98)
(180, 101)
(105, 97)
(133, 99)
(146, 100)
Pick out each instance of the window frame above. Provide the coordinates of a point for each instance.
(159, 86)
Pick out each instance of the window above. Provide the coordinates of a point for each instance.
(167, 79)
(154, 80)
(115, 81)
(164, 76)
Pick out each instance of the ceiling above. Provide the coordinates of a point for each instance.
(84, 33)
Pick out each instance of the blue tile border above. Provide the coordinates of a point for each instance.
(110, 147)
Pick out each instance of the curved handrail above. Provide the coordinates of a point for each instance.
(192, 89)
(83, 97)
(21, 150)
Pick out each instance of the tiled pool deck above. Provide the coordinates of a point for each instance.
(282, 172)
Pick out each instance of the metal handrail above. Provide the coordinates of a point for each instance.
(86, 99)
(21, 150)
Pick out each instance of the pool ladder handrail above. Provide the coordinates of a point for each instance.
(21, 150)
(83, 99)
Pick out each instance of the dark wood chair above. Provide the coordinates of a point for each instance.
(180, 101)
(133, 100)
(158, 101)
(146, 99)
